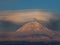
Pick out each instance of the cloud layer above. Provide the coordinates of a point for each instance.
(26, 15)
(50, 20)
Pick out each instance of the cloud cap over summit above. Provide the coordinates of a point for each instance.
(25, 15)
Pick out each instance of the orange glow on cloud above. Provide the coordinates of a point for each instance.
(22, 16)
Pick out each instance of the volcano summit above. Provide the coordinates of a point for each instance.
(34, 27)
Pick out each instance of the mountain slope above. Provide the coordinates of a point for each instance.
(31, 31)
(34, 27)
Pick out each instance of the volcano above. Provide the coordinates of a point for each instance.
(34, 27)
(31, 31)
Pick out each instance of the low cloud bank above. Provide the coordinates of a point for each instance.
(54, 23)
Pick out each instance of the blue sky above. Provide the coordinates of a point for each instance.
(51, 5)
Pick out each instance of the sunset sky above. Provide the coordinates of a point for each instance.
(24, 10)
(50, 5)
(30, 18)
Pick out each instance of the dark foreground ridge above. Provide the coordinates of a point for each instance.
(28, 43)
